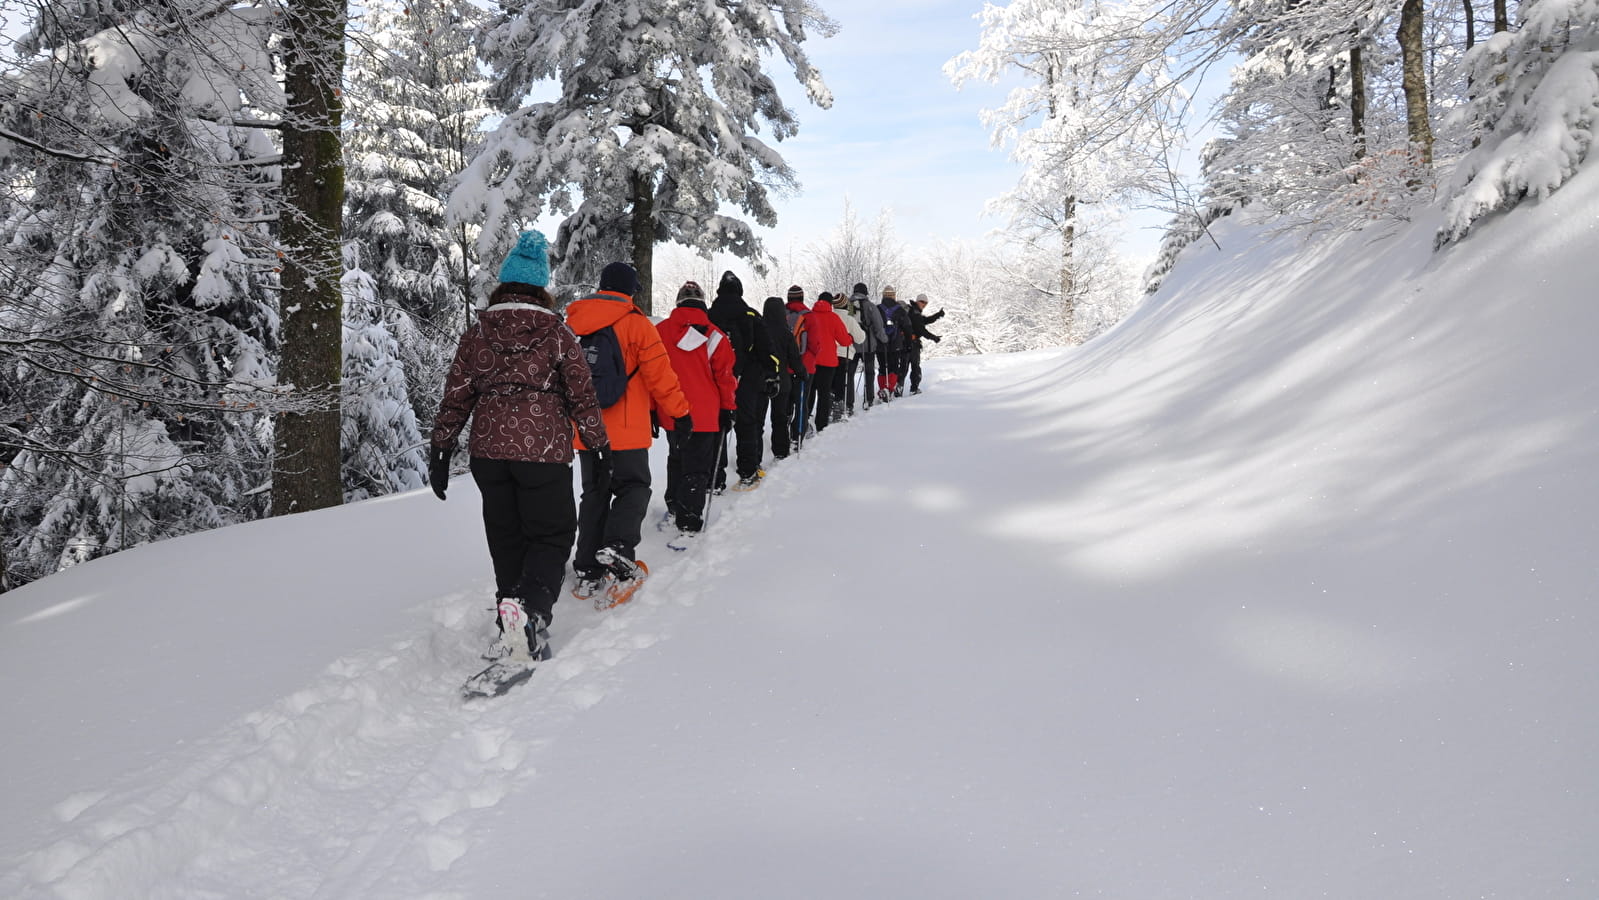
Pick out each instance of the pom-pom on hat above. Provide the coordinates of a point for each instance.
(690, 290)
(730, 286)
(529, 261)
(795, 292)
(620, 278)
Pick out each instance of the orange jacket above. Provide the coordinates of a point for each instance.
(652, 382)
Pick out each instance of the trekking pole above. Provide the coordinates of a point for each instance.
(710, 489)
(799, 425)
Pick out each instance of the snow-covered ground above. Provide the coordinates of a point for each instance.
(1284, 589)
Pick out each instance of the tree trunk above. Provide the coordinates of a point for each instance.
(1412, 53)
(305, 461)
(1471, 24)
(1068, 269)
(1357, 99)
(644, 239)
(1501, 16)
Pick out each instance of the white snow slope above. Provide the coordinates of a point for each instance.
(1283, 589)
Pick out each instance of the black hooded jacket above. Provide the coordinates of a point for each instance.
(784, 349)
(752, 346)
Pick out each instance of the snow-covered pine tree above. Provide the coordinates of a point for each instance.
(415, 101)
(382, 445)
(653, 131)
(136, 327)
(1539, 97)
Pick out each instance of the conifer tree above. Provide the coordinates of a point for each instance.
(135, 308)
(417, 101)
(654, 129)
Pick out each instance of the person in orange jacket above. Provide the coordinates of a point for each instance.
(611, 512)
(702, 355)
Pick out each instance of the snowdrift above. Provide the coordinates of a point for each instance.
(1284, 588)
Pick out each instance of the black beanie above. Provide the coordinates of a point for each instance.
(730, 286)
(825, 297)
(860, 288)
(620, 278)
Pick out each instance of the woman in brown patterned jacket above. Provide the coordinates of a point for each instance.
(520, 375)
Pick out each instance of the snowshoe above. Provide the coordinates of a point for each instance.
(526, 643)
(589, 584)
(628, 574)
(750, 483)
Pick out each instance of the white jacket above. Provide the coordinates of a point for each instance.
(852, 324)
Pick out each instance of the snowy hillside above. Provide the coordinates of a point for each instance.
(1283, 589)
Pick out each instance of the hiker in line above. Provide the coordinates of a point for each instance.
(702, 357)
(876, 340)
(825, 335)
(611, 513)
(756, 367)
(803, 404)
(917, 313)
(844, 381)
(791, 373)
(892, 356)
(520, 376)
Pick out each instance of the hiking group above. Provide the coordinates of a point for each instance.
(602, 382)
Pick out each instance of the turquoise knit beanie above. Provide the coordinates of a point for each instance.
(529, 262)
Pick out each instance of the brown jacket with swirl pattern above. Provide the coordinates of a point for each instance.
(519, 374)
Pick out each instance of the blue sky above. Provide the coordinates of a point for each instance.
(899, 135)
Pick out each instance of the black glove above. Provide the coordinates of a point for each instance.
(774, 383)
(602, 463)
(439, 469)
(934, 338)
(655, 427)
(727, 420)
(683, 426)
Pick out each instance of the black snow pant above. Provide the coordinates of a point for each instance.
(902, 364)
(689, 464)
(782, 411)
(913, 362)
(611, 514)
(868, 364)
(749, 431)
(530, 520)
(822, 395)
(844, 385)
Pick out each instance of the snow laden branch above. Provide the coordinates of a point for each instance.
(652, 134)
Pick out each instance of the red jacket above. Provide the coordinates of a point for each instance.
(702, 357)
(519, 374)
(653, 382)
(825, 332)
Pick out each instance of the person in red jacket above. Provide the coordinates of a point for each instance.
(611, 514)
(520, 376)
(702, 356)
(825, 333)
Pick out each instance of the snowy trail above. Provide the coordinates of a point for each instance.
(1283, 589)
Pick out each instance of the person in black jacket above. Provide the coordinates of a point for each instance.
(895, 358)
(791, 368)
(919, 321)
(756, 368)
